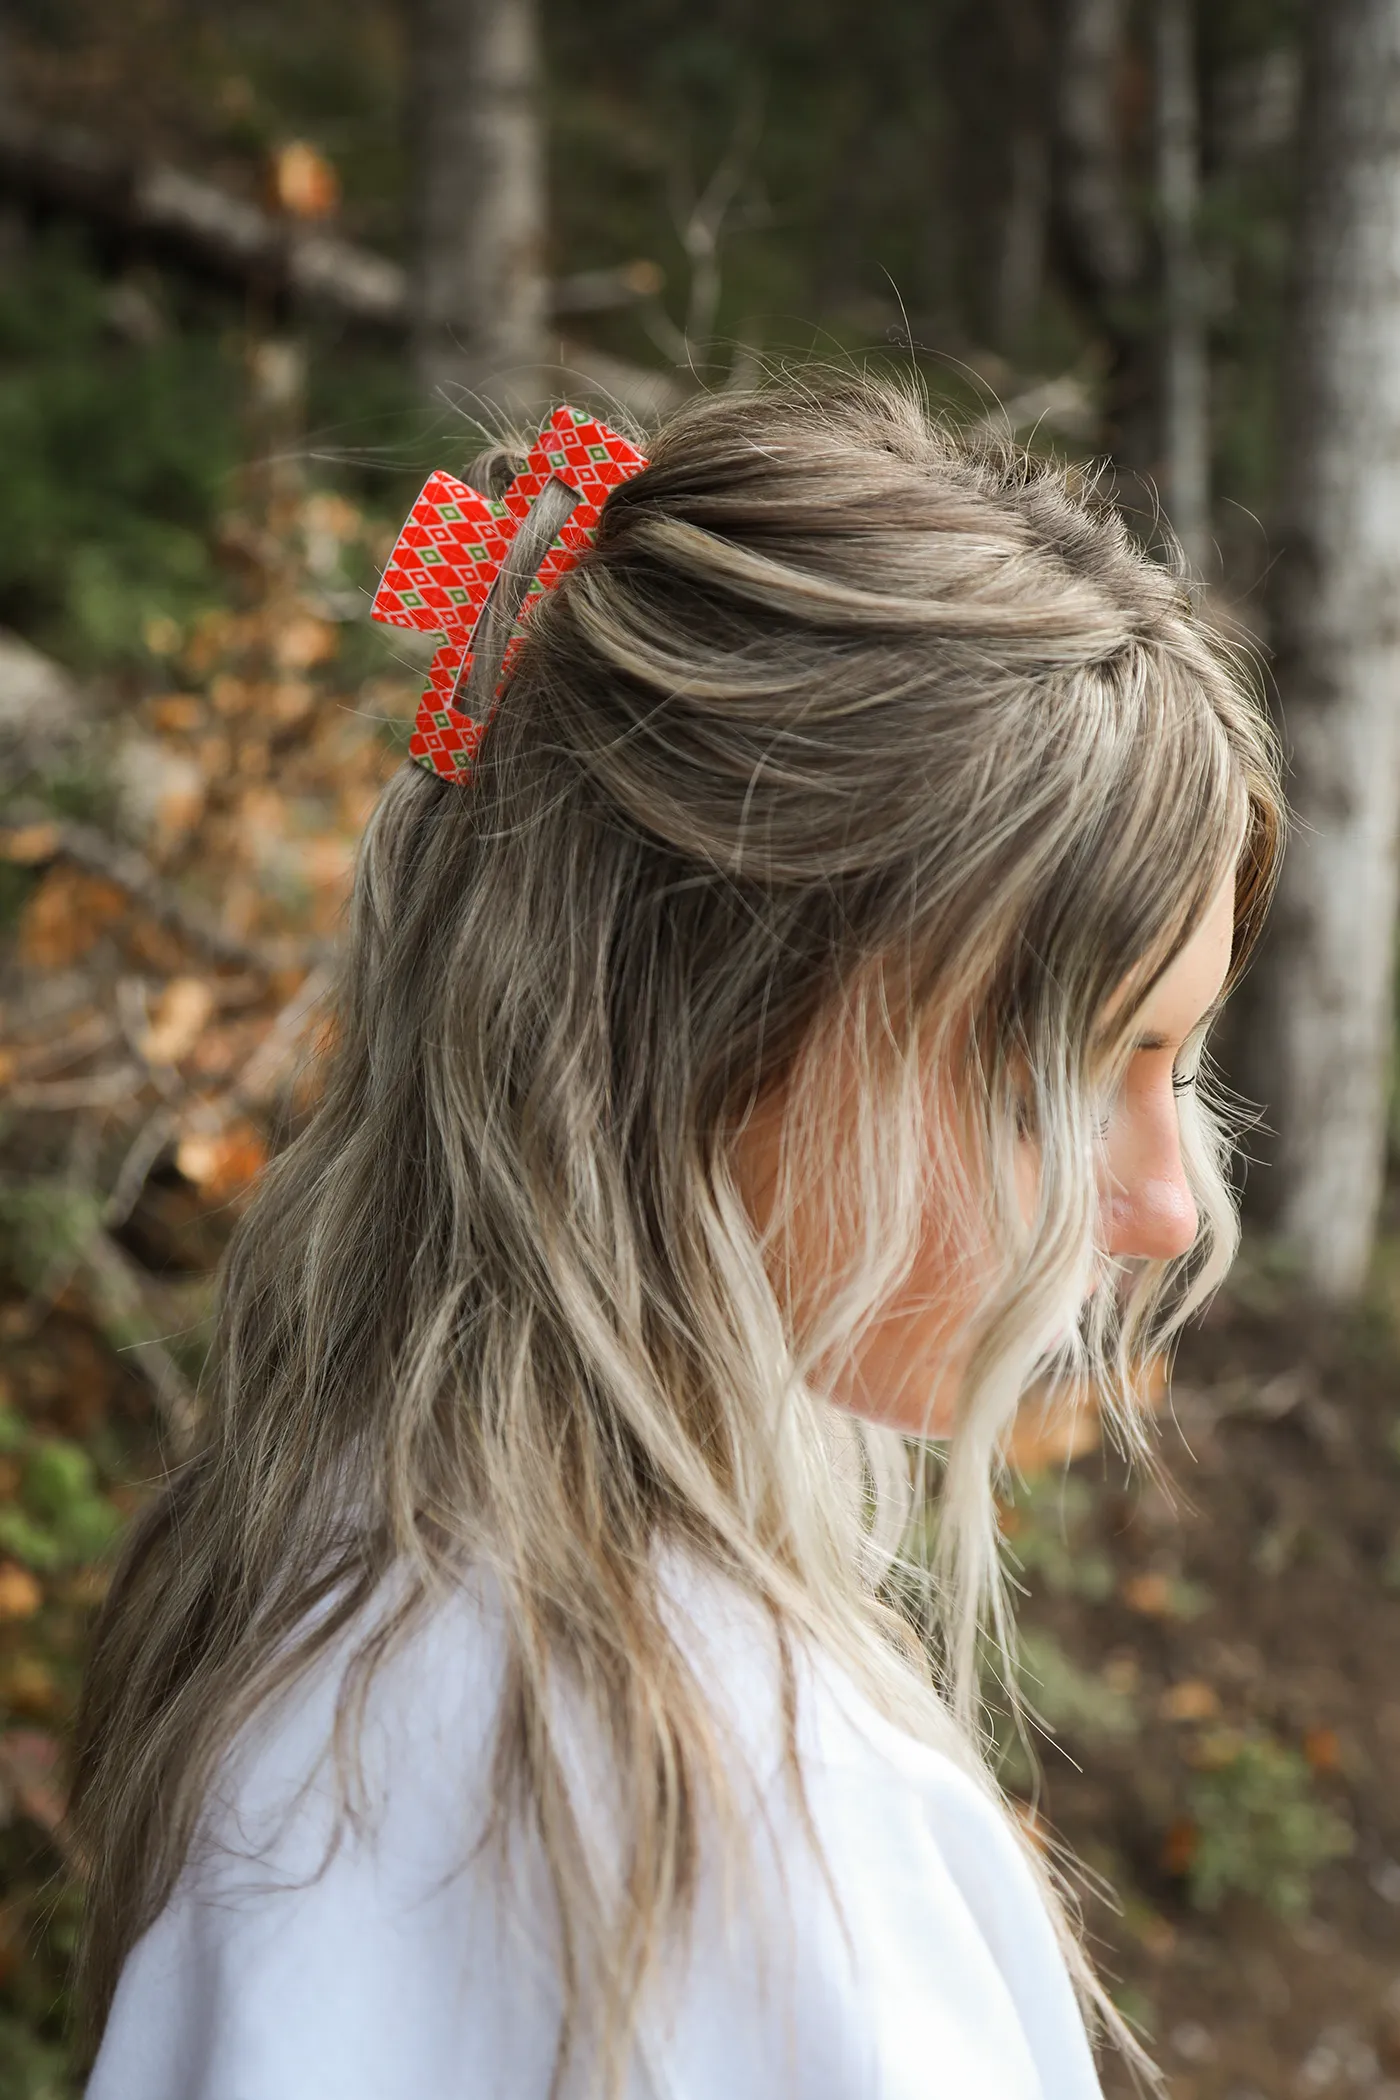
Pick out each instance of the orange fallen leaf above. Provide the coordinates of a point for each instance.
(291, 701)
(222, 1165)
(20, 1594)
(303, 641)
(326, 513)
(1180, 1846)
(230, 695)
(214, 631)
(356, 805)
(303, 182)
(179, 1017)
(1191, 1700)
(1323, 1749)
(28, 844)
(161, 634)
(1149, 1594)
(222, 1048)
(177, 711)
(155, 947)
(215, 756)
(1215, 1750)
(27, 1687)
(65, 917)
(177, 806)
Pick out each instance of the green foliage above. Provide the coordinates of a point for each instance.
(1080, 1702)
(121, 456)
(16, 886)
(32, 2068)
(45, 1226)
(1260, 1829)
(1137, 2008)
(1055, 1694)
(36, 2060)
(61, 1518)
(115, 455)
(1049, 1516)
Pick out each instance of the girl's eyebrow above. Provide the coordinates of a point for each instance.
(1157, 1041)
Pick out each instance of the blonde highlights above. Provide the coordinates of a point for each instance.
(850, 728)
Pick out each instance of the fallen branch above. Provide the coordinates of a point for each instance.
(64, 1096)
(143, 1152)
(185, 220)
(96, 854)
(33, 1061)
(127, 1321)
(277, 1051)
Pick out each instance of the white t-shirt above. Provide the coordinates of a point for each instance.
(913, 1961)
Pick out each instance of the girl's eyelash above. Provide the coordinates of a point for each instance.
(1182, 1083)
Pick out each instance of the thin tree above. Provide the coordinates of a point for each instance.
(478, 160)
(1020, 261)
(1317, 1051)
(1100, 237)
(1184, 373)
(1100, 249)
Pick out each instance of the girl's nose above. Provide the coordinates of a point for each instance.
(1151, 1212)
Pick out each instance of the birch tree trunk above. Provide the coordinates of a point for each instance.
(1184, 372)
(1317, 1052)
(480, 293)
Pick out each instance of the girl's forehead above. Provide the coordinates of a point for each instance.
(1191, 987)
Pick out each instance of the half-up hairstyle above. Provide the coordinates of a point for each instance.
(852, 735)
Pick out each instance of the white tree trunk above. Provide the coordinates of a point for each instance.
(478, 151)
(1318, 1052)
(1184, 374)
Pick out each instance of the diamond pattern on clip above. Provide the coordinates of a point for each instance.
(444, 562)
(445, 559)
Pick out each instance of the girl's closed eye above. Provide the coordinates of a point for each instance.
(1182, 1082)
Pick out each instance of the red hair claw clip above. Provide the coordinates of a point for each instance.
(449, 554)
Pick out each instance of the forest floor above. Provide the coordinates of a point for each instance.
(1219, 1648)
(1240, 1620)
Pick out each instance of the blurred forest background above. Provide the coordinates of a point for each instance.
(260, 265)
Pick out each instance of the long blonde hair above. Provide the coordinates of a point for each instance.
(850, 727)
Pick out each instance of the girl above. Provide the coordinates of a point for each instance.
(781, 1047)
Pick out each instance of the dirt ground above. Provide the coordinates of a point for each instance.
(1250, 1594)
(1253, 1590)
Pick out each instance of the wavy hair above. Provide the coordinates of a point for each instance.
(855, 737)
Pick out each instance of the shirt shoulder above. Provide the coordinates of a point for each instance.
(885, 1939)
